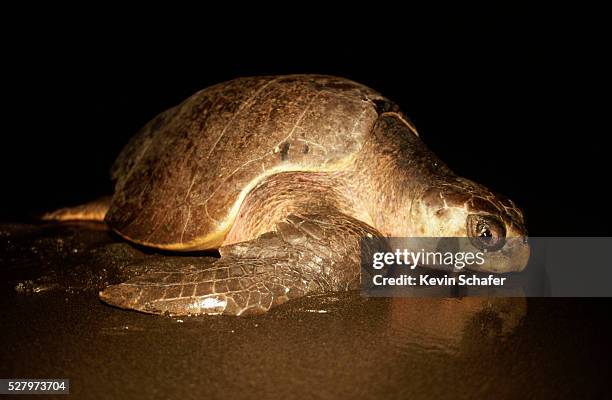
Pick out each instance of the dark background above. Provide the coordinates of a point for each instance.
(523, 112)
(520, 103)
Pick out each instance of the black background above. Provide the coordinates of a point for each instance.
(523, 112)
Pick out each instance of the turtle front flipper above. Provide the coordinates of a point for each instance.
(305, 254)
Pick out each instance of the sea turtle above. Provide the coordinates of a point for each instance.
(284, 175)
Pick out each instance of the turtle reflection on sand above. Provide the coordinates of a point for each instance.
(447, 324)
(284, 175)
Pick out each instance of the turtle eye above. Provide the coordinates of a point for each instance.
(486, 232)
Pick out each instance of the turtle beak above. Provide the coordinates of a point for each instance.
(518, 251)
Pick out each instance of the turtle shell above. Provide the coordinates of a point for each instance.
(180, 181)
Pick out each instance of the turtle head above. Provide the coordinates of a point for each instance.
(492, 223)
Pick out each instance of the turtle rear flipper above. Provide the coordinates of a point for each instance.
(306, 254)
(92, 211)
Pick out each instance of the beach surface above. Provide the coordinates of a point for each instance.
(338, 345)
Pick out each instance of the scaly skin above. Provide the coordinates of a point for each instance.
(306, 254)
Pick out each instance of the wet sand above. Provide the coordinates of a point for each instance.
(330, 346)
